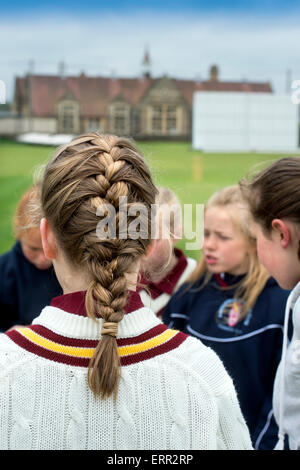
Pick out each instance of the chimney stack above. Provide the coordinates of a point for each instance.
(61, 70)
(214, 73)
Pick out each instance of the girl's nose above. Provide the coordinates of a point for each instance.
(209, 242)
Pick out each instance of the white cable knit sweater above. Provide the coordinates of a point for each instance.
(174, 391)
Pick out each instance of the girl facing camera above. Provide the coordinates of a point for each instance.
(233, 306)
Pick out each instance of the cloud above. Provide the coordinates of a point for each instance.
(184, 46)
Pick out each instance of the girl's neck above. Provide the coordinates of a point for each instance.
(74, 280)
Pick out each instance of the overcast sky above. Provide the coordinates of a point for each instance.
(253, 40)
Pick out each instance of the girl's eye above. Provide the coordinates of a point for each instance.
(223, 237)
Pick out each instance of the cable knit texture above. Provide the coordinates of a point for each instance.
(173, 394)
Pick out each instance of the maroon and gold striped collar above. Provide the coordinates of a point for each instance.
(143, 335)
(75, 302)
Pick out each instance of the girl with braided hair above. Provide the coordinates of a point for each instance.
(96, 369)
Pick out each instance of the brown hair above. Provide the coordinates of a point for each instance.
(256, 277)
(274, 192)
(92, 171)
(27, 215)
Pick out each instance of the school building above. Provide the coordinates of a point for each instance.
(144, 107)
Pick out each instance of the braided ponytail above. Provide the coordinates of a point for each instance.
(93, 172)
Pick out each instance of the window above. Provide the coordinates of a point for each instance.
(164, 119)
(68, 117)
(157, 119)
(120, 119)
(171, 119)
(93, 124)
(135, 121)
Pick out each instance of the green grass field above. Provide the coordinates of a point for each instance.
(192, 175)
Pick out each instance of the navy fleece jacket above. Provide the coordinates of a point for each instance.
(250, 349)
(24, 289)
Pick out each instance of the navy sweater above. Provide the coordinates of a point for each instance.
(250, 349)
(24, 289)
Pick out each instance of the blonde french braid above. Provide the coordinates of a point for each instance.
(92, 171)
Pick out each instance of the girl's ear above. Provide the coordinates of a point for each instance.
(282, 230)
(151, 247)
(48, 240)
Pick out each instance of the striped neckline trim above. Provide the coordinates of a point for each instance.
(74, 302)
(43, 342)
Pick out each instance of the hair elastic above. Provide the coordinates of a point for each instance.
(109, 328)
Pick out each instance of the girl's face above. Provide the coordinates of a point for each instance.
(31, 244)
(278, 257)
(225, 248)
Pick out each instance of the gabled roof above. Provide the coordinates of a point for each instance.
(95, 93)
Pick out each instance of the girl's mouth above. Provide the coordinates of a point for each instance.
(211, 259)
